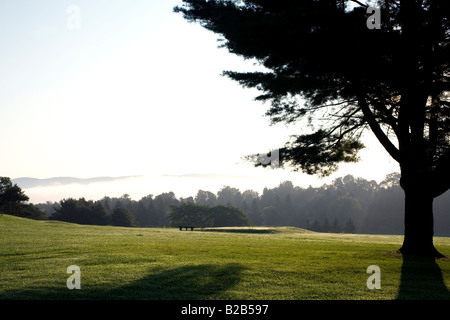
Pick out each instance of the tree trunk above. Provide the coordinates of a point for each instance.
(419, 224)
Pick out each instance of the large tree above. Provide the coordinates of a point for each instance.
(340, 68)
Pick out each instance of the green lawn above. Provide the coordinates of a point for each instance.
(255, 263)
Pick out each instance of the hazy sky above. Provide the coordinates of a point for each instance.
(129, 88)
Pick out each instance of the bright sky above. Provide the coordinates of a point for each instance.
(94, 88)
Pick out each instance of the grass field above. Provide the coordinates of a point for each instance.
(242, 263)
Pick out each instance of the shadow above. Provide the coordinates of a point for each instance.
(421, 279)
(197, 282)
(243, 230)
(194, 282)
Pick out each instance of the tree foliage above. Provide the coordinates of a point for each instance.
(194, 215)
(122, 217)
(322, 63)
(324, 67)
(11, 196)
(81, 211)
(13, 201)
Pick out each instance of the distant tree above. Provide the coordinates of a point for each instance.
(188, 199)
(12, 197)
(384, 214)
(271, 216)
(122, 217)
(190, 215)
(224, 216)
(349, 226)
(324, 66)
(254, 213)
(140, 214)
(31, 211)
(317, 207)
(148, 203)
(206, 198)
(13, 201)
(326, 226)
(315, 226)
(229, 196)
(48, 207)
(360, 189)
(335, 228)
(288, 209)
(391, 180)
(347, 207)
(69, 211)
(250, 195)
(107, 203)
(100, 215)
(81, 211)
(125, 201)
(162, 204)
(194, 215)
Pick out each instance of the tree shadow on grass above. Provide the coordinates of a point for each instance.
(196, 282)
(193, 282)
(240, 230)
(422, 279)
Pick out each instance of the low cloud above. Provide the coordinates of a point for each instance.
(61, 181)
(208, 176)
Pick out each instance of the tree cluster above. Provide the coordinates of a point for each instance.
(90, 212)
(149, 211)
(13, 201)
(189, 214)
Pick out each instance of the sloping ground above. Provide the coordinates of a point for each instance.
(218, 263)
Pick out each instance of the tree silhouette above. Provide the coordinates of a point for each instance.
(206, 198)
(122, 217)
(11, 196)
(194, 215)
(81, 211)
(325, 67)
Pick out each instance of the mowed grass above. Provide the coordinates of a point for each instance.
(225, 263)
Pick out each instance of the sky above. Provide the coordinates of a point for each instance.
(129, 89)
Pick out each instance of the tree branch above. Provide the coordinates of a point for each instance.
(360, 3)
(376, 129)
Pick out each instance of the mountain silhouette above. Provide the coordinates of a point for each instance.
(58, 181)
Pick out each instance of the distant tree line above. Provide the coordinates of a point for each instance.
(335, 227)
(90, 212)
(348, 204)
